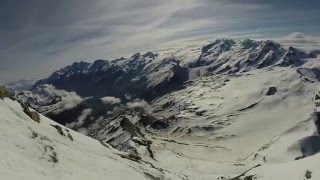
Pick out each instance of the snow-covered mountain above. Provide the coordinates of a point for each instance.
(120, 77)
(151, 75)
(231, 109)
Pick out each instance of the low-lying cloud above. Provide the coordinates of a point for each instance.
(109, 100)
(69, 100)
(138, 104)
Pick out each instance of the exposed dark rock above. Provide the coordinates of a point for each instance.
(309, 74)
(145, 142)
(49, 150)
(34, 135)
(158, 124)
(4, 92)
(248, 43)
(308, 174)
(250, 106)
(316, 114)
(35, 116)
(69, 136)
(267, 60)
(317, 121)
(293, 57)
(167, 104)
(208, 128)
(132, 157)
(200, 113)
(244, 173)
(250, 177)
(314, 53)
(32, 114)
(128, 134)
(59, 129)
(150, 176)
(128, 126)
(147, 119)
(176, 129)
(271, 91)
(150, 55)
(135, 56)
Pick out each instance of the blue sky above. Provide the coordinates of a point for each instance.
(40, 36)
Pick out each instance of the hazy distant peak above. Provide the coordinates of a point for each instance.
(297, 37)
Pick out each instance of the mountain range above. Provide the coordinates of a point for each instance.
(228, 110)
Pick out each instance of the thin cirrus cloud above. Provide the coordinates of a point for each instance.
(40, 36)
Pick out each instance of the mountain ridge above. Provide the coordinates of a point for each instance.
(221, 56)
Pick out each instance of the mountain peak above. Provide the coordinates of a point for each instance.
(298, 38)
(80, 63)
(248, 43)
(150, 54)
(223, 44)
(135, 56)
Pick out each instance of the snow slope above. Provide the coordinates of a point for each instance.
(235, 122)
(31, 150)
(222, 126)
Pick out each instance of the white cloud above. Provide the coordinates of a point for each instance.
(109, 100)
(83, 131)
(69, 100)
(84, 114)
(138, 104)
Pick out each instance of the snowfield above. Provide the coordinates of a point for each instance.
(227, 127)
(31, 150)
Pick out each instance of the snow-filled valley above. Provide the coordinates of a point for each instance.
(228, 110)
